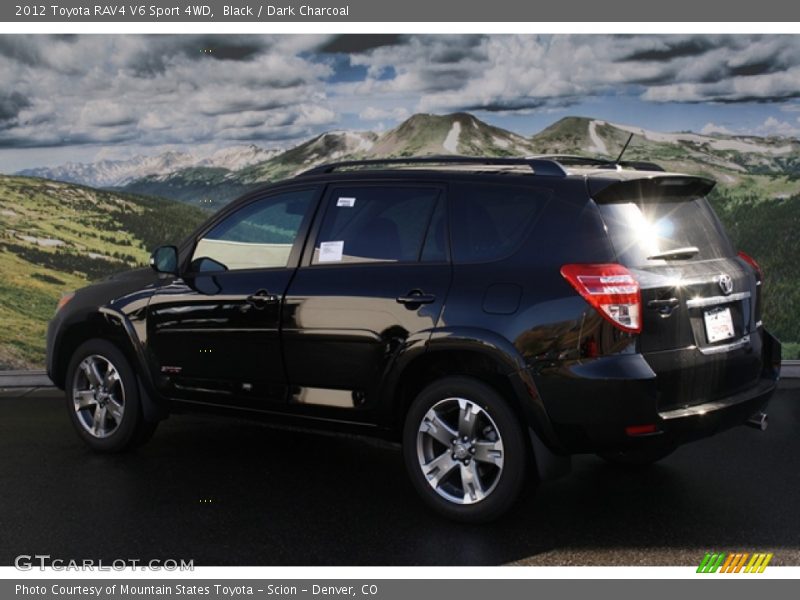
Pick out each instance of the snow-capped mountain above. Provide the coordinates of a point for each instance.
(457, 133)
(723, 156)
(119, 173)
(213, 179)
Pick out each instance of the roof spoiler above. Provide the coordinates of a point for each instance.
(654, 187)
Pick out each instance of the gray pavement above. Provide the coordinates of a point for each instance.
(231, 492)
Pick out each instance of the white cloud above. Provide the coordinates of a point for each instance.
(775, 127)
(372, 113)
(158, 90)
(507, 72)
(712, 128)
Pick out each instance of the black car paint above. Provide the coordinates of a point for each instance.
(516, 319)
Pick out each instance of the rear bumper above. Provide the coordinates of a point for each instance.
(590, 404)
(702, 420)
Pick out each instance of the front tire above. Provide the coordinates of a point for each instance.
(465, 450)
(103, 399)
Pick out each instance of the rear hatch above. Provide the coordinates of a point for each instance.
(701, 332)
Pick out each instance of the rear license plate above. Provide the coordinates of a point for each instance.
(719, 324)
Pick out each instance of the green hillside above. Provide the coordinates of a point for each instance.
(206, 187)
(55, 237)
(328, 147)
(767, 230)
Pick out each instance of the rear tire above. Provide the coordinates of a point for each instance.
(103, 399)
(637, 458)
(465, 450)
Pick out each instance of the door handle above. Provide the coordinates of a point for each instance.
(415, 298)
(262, 298)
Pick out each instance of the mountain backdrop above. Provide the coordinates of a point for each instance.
(58, 230)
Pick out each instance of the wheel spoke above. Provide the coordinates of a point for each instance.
(99, 422)
(471, 483)
(467, 417)
(89, 367)
(437, 469)
(435, 427)
(84, 399)
(489, 452)
(110, 379)
(115, 409)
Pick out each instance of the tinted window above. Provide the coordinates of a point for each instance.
(642, 230)
(435, 249)
(375, 223)
(257, 236)
(491, 221)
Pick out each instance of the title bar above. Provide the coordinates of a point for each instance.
(250, 11)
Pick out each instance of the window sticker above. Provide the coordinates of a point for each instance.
(346, 202)
(331, 251)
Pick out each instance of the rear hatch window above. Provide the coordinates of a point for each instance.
(645, 233)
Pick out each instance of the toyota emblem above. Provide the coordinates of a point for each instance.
(725, 283)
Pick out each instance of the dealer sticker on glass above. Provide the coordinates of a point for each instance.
(719, 324)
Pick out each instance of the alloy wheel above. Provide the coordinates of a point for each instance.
(460, 450)
(98, 395)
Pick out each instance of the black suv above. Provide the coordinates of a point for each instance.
(493, 315)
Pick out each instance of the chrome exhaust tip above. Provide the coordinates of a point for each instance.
(758, 421)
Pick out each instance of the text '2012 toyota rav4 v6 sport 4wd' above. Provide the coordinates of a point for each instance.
(494, 315)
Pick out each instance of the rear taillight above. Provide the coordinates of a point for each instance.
(752, 262)
(612, 290)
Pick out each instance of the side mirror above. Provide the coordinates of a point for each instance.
(164, 259)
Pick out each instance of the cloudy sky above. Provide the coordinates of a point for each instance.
(87, 97)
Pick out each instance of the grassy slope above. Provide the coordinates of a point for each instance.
(767, 230)
(97, 233)
(206, 187)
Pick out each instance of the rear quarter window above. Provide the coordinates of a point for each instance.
(491, 221)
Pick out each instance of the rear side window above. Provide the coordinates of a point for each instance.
(490, 222)
(641, 231)
(378, 224)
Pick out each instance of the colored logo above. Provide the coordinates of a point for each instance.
(737, 562)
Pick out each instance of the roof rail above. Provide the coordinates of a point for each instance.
(539, 165)
(577, 160)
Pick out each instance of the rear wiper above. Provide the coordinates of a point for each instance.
(676, 254)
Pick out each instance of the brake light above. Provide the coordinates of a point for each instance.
(752, 262)
(612, 290)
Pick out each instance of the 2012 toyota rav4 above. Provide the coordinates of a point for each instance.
(493, 315)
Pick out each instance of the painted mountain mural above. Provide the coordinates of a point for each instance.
(62, 227)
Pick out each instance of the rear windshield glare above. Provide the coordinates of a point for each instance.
(641, 231)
